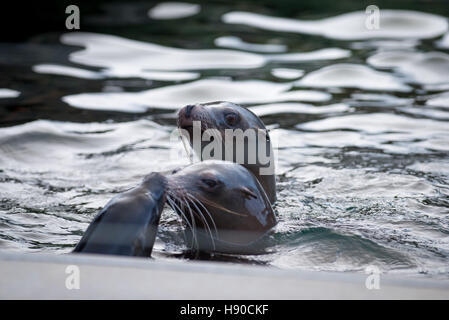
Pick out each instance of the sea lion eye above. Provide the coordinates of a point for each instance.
(210, 182)
(248, 193)
(231, 119)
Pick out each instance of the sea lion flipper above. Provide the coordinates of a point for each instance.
(90, 229)
(128, 223)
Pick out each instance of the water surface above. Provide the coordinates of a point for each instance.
(360, 122)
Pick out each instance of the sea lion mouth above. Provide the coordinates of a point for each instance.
(190, 114)
(183, 120)
(187, 124)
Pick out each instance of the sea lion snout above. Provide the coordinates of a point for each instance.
(189, 109)
(194, 113)
(186, 112)
(185, 117)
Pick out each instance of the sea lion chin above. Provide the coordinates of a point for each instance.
(223, 204)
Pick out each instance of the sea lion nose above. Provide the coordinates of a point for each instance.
(189, 110)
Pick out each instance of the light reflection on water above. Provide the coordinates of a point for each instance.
(205, 90)
(396, 24)
(363, 138)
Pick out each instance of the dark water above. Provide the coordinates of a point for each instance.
(359, 120)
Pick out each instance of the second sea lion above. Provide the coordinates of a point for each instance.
(222, 115)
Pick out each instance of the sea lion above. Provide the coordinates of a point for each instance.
(127, 225)
(221, 115)
(223, 204)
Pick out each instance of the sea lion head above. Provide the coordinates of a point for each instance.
(223, 202)
(220, 116)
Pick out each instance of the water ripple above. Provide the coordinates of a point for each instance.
(360, 128)
(396, 24)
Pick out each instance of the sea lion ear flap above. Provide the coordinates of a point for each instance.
(248, 193)
(175, 170)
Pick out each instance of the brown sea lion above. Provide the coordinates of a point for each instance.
(221, 116)
(223, 204)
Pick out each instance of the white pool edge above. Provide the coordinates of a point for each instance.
(44, 276)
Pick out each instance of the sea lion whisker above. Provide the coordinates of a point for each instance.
(205, 223)
(175, 207)
(221, 207)
(184, 198)
(200, 214)
(185, 143)
(193, 222)
(178, 210)
(193, 198)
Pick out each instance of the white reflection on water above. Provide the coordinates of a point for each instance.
(67, 71)
(173, 10)
(386, 44)
(279, 108)
(8, 93)
(394, 24)
(439, 100)
(379, 123)
(390, 132)
(69, 154)
(237, 43)
(383, 100)
(444, 42)
(368, 185)
(206, 90)
(322, 54)
(118, 54)
(286, 73)
(422, 68)
(352, 76)
(125, 57)
(117, 73)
